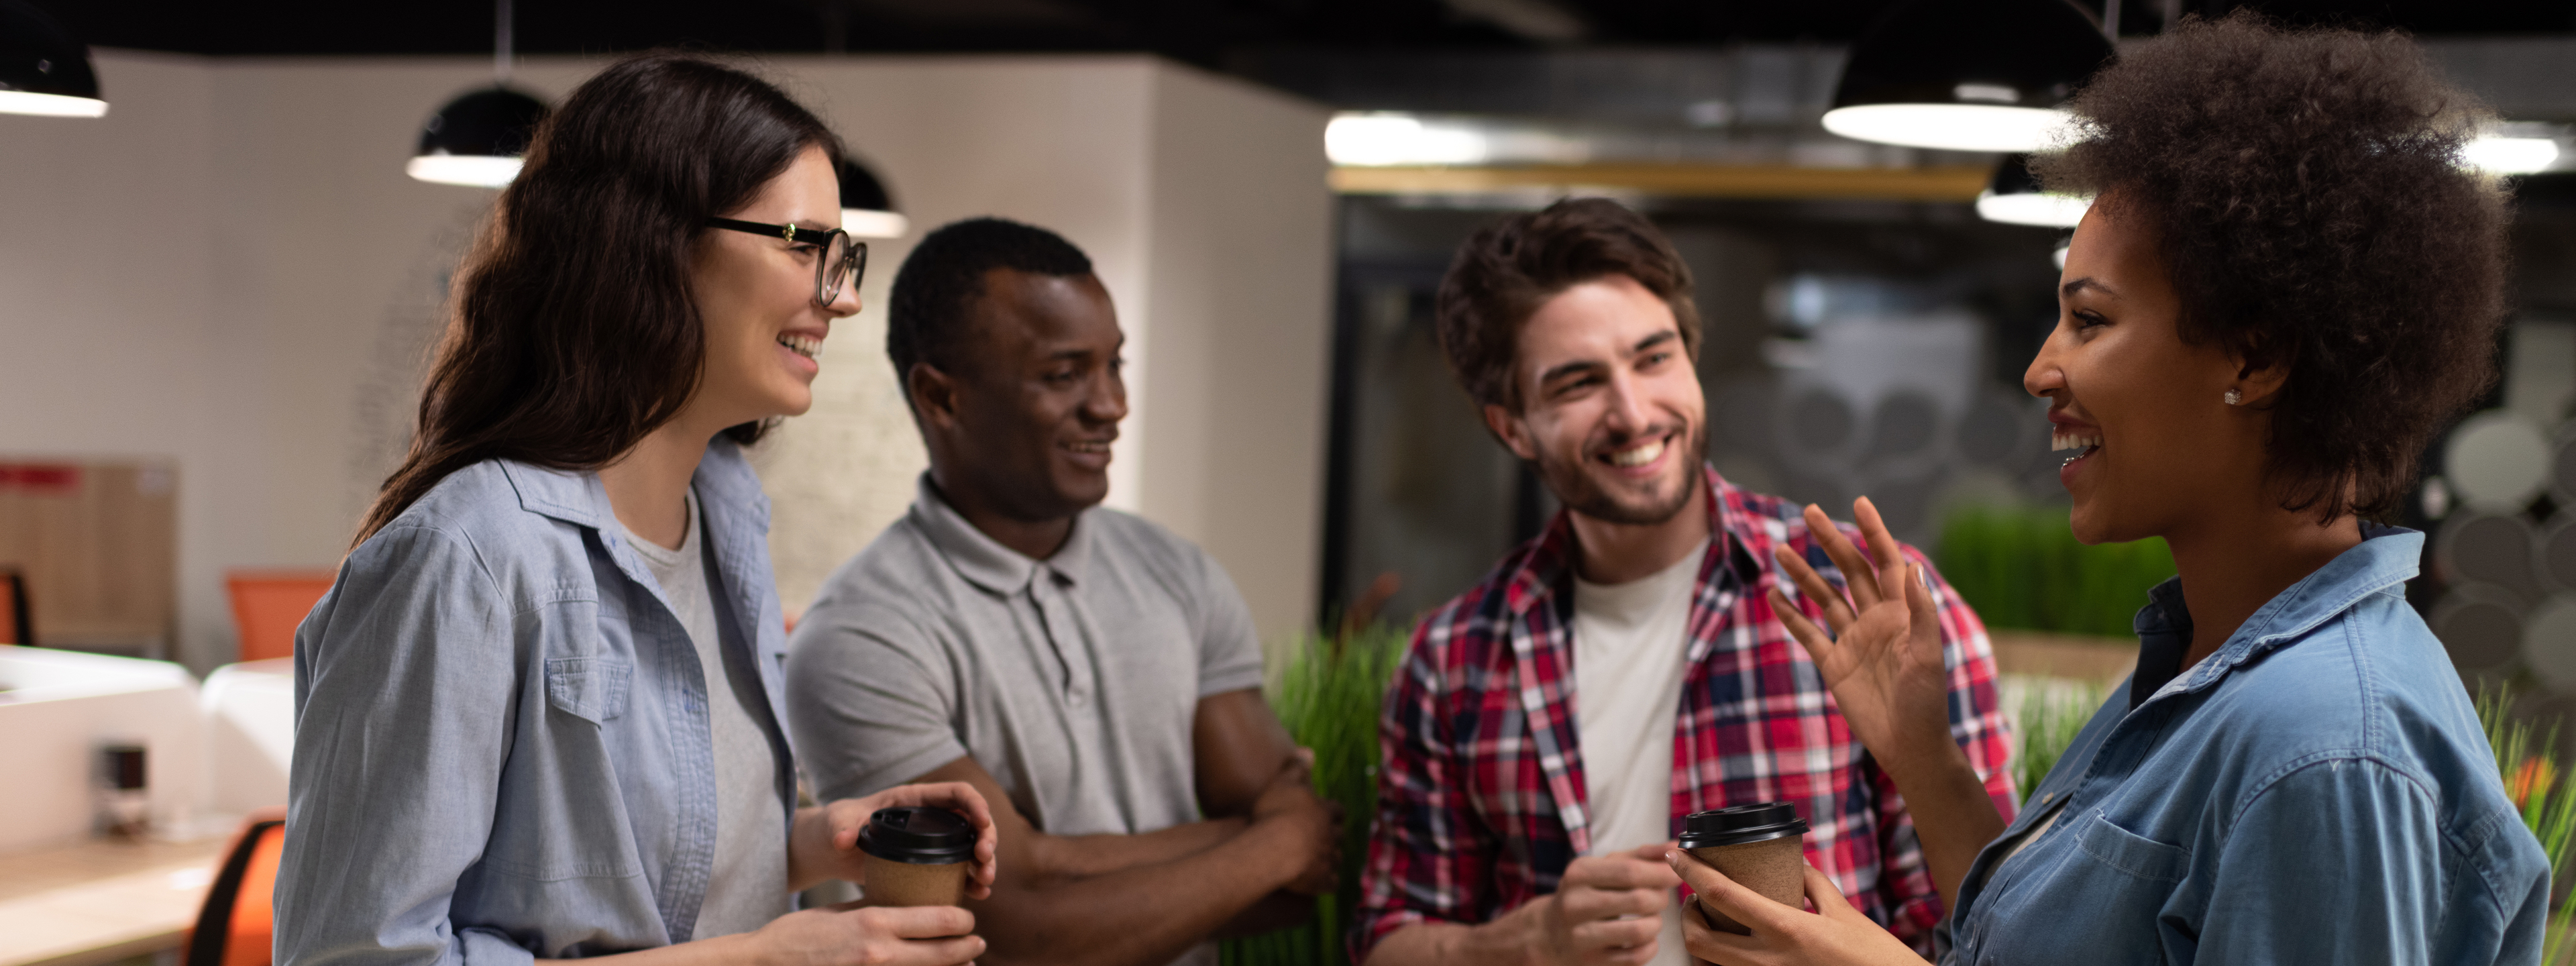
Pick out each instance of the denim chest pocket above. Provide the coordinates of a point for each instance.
(2096, 899)
(593, 689)
(2139, 856)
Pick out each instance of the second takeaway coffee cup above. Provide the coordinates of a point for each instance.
(1760, 846)
(917, 856)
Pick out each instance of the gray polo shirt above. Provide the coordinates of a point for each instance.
(1073, 680)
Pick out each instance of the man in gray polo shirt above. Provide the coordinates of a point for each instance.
(1096, 677)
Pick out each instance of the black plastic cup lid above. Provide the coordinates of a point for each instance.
(1740, 824)
(918, 835)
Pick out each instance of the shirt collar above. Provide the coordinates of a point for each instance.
(2385, 558)
(729, 493)
(1547, 565)
(984, 561)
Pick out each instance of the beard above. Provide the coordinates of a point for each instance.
(1576, 487)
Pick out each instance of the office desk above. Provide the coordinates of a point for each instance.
(101, 901)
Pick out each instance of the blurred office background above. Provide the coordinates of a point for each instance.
(215, 303)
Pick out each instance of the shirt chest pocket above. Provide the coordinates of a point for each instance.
(2097, 898)
(593, 689)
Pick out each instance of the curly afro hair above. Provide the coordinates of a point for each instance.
(2308, 193)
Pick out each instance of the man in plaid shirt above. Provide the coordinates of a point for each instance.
(1553, 725)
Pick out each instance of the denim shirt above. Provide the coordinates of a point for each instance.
(2319, 790)
(502, 745)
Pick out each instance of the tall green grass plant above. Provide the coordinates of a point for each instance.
(1328, 696)
(2528, 759)
(2021, 567)
(2050, 714)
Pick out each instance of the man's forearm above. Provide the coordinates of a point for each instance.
(1094, 855)
(1509, 940)
(1143, 914)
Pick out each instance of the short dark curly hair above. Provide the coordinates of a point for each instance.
(2307, 190)
(930, 313)
(1508, 269)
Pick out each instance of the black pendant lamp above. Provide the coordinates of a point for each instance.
(44, 70)
(2013, 198)
(1967, 75)
(480, 137)
(867, 211)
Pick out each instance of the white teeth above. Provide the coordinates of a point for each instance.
(810, 348)
(1638, 456)
(2063, 439)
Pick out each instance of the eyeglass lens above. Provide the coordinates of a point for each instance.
(840, 268)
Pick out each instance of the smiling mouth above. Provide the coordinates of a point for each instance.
(807, 346)
(1089, 447)
(2085, 442)
(1638, 454)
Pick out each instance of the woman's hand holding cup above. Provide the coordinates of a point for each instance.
(848, 817)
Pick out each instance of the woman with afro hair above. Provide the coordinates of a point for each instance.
(2288, 283)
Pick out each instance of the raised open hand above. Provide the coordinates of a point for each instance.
(1883, 659)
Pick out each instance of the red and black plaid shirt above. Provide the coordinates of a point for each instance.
(1481, 799)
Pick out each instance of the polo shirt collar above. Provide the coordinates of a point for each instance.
(984, 561)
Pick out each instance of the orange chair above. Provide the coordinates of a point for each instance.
(269, 604)
(237, 925)
(17, 619)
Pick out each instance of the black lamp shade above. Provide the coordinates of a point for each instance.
(1985, 56)
(477, 139)
(867, 210)
(2024, 53)
(43, 68)
(496, 121)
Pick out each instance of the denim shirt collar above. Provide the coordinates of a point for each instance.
(984, 561)
(730, 500)
(2385, 558)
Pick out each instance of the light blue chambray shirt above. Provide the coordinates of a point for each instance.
(2317, 791)
(502, 747)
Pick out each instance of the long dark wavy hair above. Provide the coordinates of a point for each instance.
(572, 332)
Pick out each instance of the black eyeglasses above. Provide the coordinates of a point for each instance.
(844, 259)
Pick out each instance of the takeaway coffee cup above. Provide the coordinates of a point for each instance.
(1758, 846)
(917, 856)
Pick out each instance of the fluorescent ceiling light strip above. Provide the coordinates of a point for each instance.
(50, 105)
(2509, 155)
(1397, 139)
(1951, 127)
(474, 170)
(863, 223)
(2032, 208)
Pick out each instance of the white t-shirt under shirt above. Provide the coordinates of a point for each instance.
(1629, 653)
(748, 885)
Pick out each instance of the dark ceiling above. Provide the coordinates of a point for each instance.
(1213, 33)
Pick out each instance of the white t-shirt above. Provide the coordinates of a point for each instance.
(748, 885)
(1629, 653)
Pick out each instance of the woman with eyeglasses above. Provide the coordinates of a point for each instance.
(2289, 283)
(538, 714)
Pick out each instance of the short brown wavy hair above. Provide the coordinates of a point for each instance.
(1508, 269)
(2307, 190)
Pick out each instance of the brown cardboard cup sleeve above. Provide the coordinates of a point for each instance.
(1760, 846)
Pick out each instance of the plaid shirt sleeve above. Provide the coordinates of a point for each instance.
(1978, 724)
(1427, 861)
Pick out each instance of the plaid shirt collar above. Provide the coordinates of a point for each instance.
(1544, 574)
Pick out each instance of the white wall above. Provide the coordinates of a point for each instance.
(231, 269)
(1236, 392)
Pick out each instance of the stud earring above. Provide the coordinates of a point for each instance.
(2234, 397)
